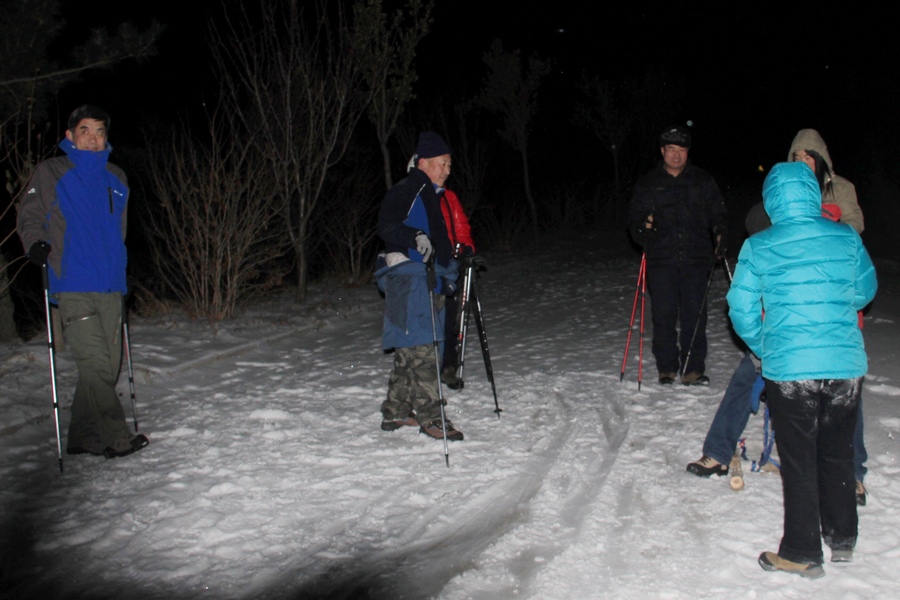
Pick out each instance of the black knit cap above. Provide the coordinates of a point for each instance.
(677, 135)
(431, 145)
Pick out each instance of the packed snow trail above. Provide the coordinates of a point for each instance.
(267, 475)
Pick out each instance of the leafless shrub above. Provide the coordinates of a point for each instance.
(349, 224)
(216, 234)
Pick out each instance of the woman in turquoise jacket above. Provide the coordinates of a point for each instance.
(796, 291)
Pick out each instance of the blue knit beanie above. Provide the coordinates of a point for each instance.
(431, 145)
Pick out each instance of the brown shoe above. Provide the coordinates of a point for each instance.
(434, 429)
(770, 561)
(395, 424)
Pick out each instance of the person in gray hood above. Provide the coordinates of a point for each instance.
(809, 147)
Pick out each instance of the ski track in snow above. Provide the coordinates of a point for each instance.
(268, 477)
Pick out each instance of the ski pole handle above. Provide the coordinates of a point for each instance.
(429, 272)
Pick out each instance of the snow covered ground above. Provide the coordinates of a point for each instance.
(267, 475)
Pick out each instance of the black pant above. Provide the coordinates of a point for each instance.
(676, 294)
(814, 421)
(451, 333)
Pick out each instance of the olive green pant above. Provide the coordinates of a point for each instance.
(92, 326)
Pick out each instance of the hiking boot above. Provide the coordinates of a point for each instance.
(449, 378)
(395, 424)
(842, 556)
(860, 494)
(667, 378)
(707, 466)
(126, 446)
(84, 450)
(694, 378)
(434, 429)
(770, 561)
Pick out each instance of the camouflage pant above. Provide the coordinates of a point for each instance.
(413, 385)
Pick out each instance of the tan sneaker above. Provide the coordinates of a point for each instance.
(666, 378)
(770, 561)
(706, 466)
(694, 378)
(860, 494)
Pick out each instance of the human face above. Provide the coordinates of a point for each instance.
(674, 158)
(89, 134)
(801, 155)
(437, 168)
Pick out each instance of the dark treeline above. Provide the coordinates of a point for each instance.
(259, 140)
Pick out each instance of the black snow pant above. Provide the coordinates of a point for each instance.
(676, 296)
(814, 421)
(451, 333)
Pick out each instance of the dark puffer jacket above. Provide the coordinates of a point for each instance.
(688, 213)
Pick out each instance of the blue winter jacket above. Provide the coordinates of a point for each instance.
(408, 311)
(78, 204)
(798, 285)
(412, 206)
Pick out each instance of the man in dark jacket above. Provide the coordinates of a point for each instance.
(72, 220)
(414, 233)
(677, 214)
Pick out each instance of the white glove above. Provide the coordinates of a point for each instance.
(423, 246)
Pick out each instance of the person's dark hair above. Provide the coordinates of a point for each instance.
(87, 111)
(822, 170)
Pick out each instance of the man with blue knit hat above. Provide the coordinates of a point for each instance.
(412, 227)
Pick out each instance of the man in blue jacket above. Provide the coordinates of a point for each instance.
(72, 220)
(797, 288)
(414, 233)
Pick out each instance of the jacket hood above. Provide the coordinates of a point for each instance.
(791, 190)
(809, 139)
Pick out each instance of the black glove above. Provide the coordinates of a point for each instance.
(38, 253)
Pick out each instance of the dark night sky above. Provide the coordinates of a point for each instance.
(756, 74)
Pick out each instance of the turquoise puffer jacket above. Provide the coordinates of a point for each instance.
(798, 285)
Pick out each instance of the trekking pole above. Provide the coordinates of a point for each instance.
(463, 321)
(728, 269)
(485, 352)
(432, 280)
(687, 357)
(52, 352)
(637, 292)
(126, 339)
(641, 338)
